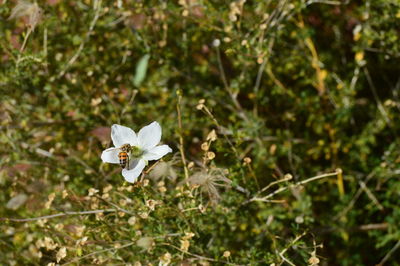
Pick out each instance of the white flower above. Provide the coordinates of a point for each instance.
(143, 148)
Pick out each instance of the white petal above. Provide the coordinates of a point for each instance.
(110, 155)
(136, 168)
(156, 152)
(121, 135)
(149, 136)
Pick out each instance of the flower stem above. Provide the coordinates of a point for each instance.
(181, 149)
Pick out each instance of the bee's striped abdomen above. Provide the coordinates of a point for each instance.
(123, 158)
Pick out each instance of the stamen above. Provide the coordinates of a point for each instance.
(136, 152)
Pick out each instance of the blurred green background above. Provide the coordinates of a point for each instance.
(297, 87)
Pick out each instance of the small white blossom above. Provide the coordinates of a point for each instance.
(216, 43)
(143, 148)
(62, 253)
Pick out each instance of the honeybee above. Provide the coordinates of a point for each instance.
(123, 155)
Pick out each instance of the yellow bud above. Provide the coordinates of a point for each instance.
(247, 160)
(227, 254)
(205, 146)
(359, 56)
(210, 155)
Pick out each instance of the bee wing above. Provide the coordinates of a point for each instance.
(112, 149)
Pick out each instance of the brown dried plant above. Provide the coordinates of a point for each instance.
(209, 180)
(166, 169)
(30, 10)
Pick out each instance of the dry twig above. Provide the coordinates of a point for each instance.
(57, 215)
(311, 179)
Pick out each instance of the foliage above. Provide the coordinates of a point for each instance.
(249, 94)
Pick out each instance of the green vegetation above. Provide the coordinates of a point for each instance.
(256, 98)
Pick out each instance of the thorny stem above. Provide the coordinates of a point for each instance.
(57, 215)
(265, 199)
(181, 146)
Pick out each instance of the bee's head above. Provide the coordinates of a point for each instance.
(126, 147)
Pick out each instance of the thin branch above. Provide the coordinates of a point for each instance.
(354, 199)
(148, 170)
(28, 33)
(285, 249)
(181, 146)
(197, 256)
(284, 179)
(232, 95)
(133, 95)
(282, 189)
(355, 77)
(45, 50)
(115, 205)
(371, 195)
(97, 6)
(260, 72)
(220, 128)
(56, 215)
(21, 50)
(327, 2)
(97, 252)
(82, 162)
(367, 227)
(376, 97)
(389, 254)
(320, 85)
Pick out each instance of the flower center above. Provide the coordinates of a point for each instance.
(136, 152)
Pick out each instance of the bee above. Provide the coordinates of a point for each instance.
(123, 155)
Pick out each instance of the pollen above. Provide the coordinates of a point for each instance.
(136, 152)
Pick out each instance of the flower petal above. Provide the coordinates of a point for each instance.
(149, 136)
(156, 152)
(110, 155)
(121, 135)
(136, 167)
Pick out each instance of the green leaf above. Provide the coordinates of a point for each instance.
(141, 70)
